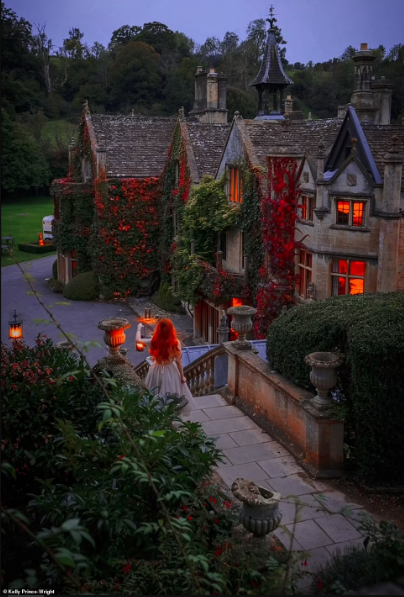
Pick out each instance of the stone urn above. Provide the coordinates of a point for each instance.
(114, 336)
(242, 324)
(260, 512)
(323, 375)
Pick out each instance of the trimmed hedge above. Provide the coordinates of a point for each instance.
(35, 248)
(369, 330)
(83, 287)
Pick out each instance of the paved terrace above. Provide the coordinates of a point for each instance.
(326, 522)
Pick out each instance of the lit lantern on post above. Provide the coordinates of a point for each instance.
(139, 346)
(15, 324)
(40, 239)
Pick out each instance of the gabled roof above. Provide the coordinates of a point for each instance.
(271, 71)
(207, 143)
(136, 146)
(379, 139)
(285, 137)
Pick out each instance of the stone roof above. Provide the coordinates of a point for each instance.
(283, 137)
(136, 146)
(379, 138)
(207, 142)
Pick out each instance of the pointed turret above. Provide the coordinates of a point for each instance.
(271, 79)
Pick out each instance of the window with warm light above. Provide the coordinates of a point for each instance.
(235, 189)
(351, 213)
(305, 271)
(347, 277)
(306, 207)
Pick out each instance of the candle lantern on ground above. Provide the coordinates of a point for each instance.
(15, 327)
(40, 239)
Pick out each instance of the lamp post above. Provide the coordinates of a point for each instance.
(15, 327)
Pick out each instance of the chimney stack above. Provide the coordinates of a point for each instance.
(362, 98)
(210, 96)
(382, 92)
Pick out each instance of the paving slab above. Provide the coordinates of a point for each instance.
(357, 517)
(338, 528)
(226, 425)
(307, 505)
(285, 536)
(309, 535)
(255, 452)
(222, 412)
(293, 485)
(225, 441)
(341, 547)
(246, 471)
(209, 401)
(335, 502)
(250, 436)
(196, 416)
(280, 467)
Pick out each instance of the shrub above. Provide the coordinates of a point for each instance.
(381, 559)
(369, 330)
(35, 248)
(55, 269)
(167, 301)
(83, 287)
(55, 285)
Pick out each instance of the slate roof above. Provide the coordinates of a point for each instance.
(136, 146)
(282, 137)
(207, 142)
(271, 71)
(379, 138)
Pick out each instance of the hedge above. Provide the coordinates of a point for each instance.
(83, 287)
(369, 330)
(35, 248)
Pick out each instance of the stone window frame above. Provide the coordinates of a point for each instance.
(306, 207)
(234, 184)
(304, 271)
(347, 275)
(350, 223)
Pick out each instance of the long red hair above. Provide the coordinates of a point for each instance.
(164, 342)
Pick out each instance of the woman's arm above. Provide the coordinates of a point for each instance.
(178, 360)
(139, 335)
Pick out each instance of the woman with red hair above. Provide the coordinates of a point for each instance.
(166, 373)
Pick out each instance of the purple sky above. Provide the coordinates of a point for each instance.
(315, 30)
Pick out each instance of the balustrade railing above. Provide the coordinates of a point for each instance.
(200, 374)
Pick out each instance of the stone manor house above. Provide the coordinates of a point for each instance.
(350, 173)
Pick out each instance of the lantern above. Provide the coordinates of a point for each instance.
(15, 324)
(40, 239)
(139, 346)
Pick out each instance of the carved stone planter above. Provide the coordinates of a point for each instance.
(260, 512)
(242, 324)
(114, 336)
(323, 375)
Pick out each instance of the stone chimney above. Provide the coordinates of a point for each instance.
(389, 237)
(362, 98)
(210, 96)
(288, 105)
(382, 92)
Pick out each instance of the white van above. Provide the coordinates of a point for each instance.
(47, 227)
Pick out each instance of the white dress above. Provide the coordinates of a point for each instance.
(163, 378)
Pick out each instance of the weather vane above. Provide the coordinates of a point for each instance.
(272, 20)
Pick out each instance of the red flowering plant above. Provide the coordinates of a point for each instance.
(39, 385)
(279, 212)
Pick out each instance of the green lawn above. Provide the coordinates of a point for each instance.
(24, 228)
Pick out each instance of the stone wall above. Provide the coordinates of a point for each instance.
(285, 411)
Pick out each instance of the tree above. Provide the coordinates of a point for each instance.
(135, 78)
(241, 101)
(42, 46)
(157, 35)
(23, 166)
(229, 43)
(123, 35)
(73, 45)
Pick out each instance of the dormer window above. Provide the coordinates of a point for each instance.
(235, 189)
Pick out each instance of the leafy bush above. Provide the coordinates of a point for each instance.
(369, 330)
(165, 299)
(55, 269)
(83, 287)
(35, 248)
(39, 386)
(381, 559)
(56, 285)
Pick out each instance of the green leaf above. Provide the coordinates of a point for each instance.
(63, 303)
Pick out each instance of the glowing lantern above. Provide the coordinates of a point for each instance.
(40, 239)
(15, 332)
(139, 346)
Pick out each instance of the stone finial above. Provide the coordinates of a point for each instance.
(321, 150)
(394, 155)
(394, 147)
(86, 107)
(354, 141)
(181, 113)
(132, 112)
(237, 115)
